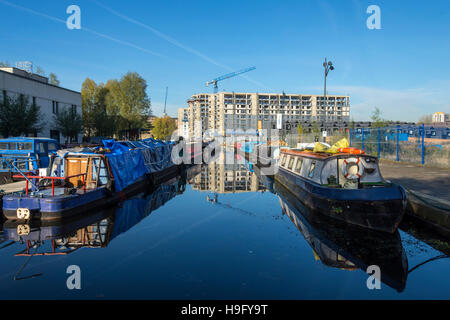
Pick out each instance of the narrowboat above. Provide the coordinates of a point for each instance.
(81, 179)
(346, 186)
(96, 228)
(340, 245)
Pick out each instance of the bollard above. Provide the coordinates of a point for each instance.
(378, 143)
(423, 143)
(398, 138)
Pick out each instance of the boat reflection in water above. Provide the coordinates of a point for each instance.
(343, 246)
(94, 230)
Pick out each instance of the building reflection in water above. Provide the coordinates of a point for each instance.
(229, 173)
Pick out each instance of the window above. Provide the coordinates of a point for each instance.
(25, 146)
(4, 146)
(42, 147)
(74, 108)
(291, 163)
(55, 106)
(298, 165)
(5, 95)
(312, 169)
(283, 160)
(34, 100)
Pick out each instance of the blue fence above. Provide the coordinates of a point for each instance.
(419, 144)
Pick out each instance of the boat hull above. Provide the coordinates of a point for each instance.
(380, 208)
(67, 206)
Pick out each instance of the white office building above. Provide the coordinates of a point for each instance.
(50, 98)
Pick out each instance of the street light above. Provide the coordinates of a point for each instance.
(328, 66)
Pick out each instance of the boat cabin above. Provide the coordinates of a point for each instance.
(25, 154)
(81, 170)
(341, 170)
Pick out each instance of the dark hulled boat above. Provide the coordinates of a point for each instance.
(344, 186)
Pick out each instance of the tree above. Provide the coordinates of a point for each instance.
(40, 71)
(299, 131)
(426, 119)
(53, 79)
(351, 124)
(97, 121)
(19, 117)
(377, 120)
(315, 128)
(69, 123)
(128, 98)
(163, 127)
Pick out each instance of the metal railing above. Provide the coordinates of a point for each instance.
(27, 177)
(418, 144)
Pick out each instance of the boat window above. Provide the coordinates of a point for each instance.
(298, 165)
(8, 146)
(42, 147)
(94, 170)
(24, 146)
(283, 160)
(291, 162)
(312, 169)
(4, 146)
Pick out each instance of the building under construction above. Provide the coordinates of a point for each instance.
(251, 111)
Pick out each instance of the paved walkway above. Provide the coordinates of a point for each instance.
(430, 183)
(13, 187)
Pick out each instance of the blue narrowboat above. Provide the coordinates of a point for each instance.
(81, 179)
(345, 186)
(25, 154)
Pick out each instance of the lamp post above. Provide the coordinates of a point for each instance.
(328, 65)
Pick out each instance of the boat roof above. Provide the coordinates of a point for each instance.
(320, 155)
(13, 139)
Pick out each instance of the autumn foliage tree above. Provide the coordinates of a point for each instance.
(115, 106)
(163, 127)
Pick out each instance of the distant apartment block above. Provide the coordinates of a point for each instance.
(243, 111)
(441, 117)
(183, 122)
(50, 98)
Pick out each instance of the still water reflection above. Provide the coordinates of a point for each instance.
(218, 231)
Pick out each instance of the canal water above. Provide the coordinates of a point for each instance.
(217, 232)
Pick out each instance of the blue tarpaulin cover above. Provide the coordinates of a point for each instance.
(136, 209)
(128, 164)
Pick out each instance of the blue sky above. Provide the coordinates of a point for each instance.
(403, 69)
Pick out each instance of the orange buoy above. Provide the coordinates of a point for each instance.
(351, 150)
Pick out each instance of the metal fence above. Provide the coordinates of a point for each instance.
(425, 145)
